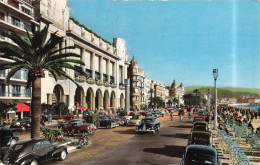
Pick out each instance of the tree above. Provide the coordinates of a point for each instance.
(61, 108)
(151, 91)
(196, 91)
(37, 55)
(175, 101)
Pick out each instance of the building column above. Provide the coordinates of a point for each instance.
(92, 100)
(49, 98)
(83, 57)
(108, 70)
(92, 65)
(84, 101)
(63, 44)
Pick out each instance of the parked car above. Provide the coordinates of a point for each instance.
(68, 118)
(200, 126)
(75, 126)
(148, 124)
(202, 113)
(34, 151)
(201, 137)
(135, 120)
(199, 118)
(7, 137)
(21, 124)
(105, 122)
(200, 155)
(146, 114)
(126, 119)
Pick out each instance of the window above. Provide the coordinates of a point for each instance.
(17, 75)
(13, 3)
(28, 92)
(2, 89)
(2, 73)
(120, 74)
(25, 10)
(16, 22)
(2, 16)
(38, 146)
(16, 90)
(27, 26)
(25, 75)
(46, 144)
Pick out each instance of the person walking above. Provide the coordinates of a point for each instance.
(50, 118)
(180, 114)
(171, 116)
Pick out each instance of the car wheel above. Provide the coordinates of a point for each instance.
(63, 155)
(34, 162)
(108, 126)
(23, 128)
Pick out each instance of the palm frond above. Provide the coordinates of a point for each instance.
(61, 56)
(12, 72)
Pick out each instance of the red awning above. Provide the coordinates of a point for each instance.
(80, 107)
(22, 107)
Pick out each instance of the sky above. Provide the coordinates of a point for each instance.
(182, 40)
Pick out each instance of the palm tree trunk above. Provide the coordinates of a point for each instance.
(36, 107)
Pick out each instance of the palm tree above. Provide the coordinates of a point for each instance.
(36, 55)
(151, 91)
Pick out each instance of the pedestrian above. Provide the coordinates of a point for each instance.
(50, 118)
(171, 116)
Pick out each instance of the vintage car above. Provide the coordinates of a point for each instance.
(126, 119)
(105, 122)
(148, 124)
(146, 114)
(199, 118)
(76, 126)
(34, 151)
(200, 155)
(7, 137)
(21, 124)
(200, 126)
(135, 120)
(201, 137)
(68, 118)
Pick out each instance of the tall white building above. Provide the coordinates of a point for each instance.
(105, 63)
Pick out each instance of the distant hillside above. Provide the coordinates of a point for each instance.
(232, 92)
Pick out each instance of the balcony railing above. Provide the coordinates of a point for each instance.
(105, 77)
(89, 73)
(112, 79)
(97, 75)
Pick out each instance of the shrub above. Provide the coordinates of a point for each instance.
(52, 133)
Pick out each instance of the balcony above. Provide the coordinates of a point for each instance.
(105, 77)
(23, 11)
(121, 86)
(112, 79)
(97, 76)
(89, 73)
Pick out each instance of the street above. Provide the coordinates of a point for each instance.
(123, 146)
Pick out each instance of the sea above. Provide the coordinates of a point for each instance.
(252, 107)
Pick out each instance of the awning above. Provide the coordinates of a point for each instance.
(80, 107)
(22, 107)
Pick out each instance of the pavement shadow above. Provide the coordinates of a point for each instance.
(178, 135)
(129, 131)
(190, 121)
(181, 126)
(172, 151)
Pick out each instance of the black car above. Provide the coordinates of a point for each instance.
(7, 137)
(21, 124)
(34, 151)
(200, 155)
(105, 122)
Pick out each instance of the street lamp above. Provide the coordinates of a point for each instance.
(215, 75)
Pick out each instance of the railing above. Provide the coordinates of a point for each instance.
(105, 77)
(5, 94)
(97, 75)
(89, 73)
(23, 25)
(112, 79)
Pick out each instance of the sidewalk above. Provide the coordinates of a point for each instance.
(225, 159)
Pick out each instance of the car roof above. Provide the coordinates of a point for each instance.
(198, 146)
(31, 140)
(200, 122)
(201, 132)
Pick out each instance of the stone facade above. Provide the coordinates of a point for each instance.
(105, 63)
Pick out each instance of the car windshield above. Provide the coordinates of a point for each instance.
(147, 120)
(199, 127)
(200, 156)
(72, 123)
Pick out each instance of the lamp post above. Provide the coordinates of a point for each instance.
(127, 96)
(215, 75)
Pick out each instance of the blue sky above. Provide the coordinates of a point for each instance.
(182, 39)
